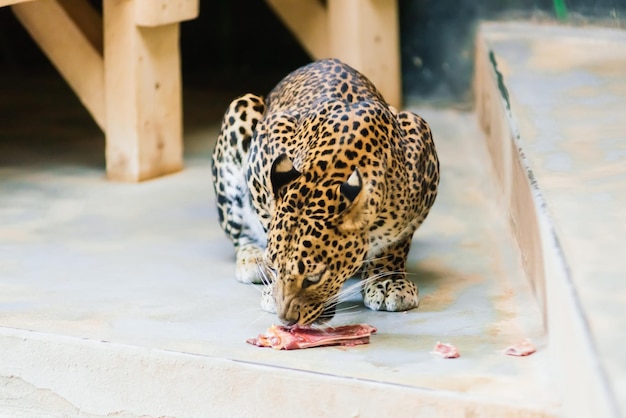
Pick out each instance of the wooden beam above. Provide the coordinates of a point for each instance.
(152, 13)
(307, 20)
(69, 49)
(365, 35)
(87, 19)
(143, 96)
(11, 2)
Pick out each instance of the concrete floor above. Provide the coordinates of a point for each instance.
(91, 267)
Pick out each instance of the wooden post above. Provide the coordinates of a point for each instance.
(365, 35)
(362, 33)
(143, 95)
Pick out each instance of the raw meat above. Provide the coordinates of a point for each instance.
(292, 338)
(522, 348)
(444, 350)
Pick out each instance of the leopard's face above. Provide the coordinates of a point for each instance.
(317, 240)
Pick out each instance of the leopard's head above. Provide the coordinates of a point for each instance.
(318, 236)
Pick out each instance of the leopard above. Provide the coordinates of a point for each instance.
(319, 182)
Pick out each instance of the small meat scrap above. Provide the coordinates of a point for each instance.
(445, 350)
(296, 337)
(522, 348)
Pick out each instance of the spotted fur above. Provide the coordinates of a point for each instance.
(320, 182)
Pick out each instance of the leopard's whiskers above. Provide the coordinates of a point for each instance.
(264, 273)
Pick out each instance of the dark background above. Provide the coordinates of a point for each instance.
(241, 45)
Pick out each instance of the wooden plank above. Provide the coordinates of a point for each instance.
(62, 40)
(307, 20)
(11, 2)
(151, 13)
(365, 35)
(143, 96)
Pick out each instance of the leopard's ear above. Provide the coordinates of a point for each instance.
(355, 213)
(282, 173)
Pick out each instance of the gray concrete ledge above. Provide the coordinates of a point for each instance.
(58, 375)
(551, 100)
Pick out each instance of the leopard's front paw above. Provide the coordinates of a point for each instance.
(268, 304)
(393, 294)
(247, 269)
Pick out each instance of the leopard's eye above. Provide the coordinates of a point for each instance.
(311, 280)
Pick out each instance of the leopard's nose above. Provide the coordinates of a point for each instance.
(289, 320)
(289, 313)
